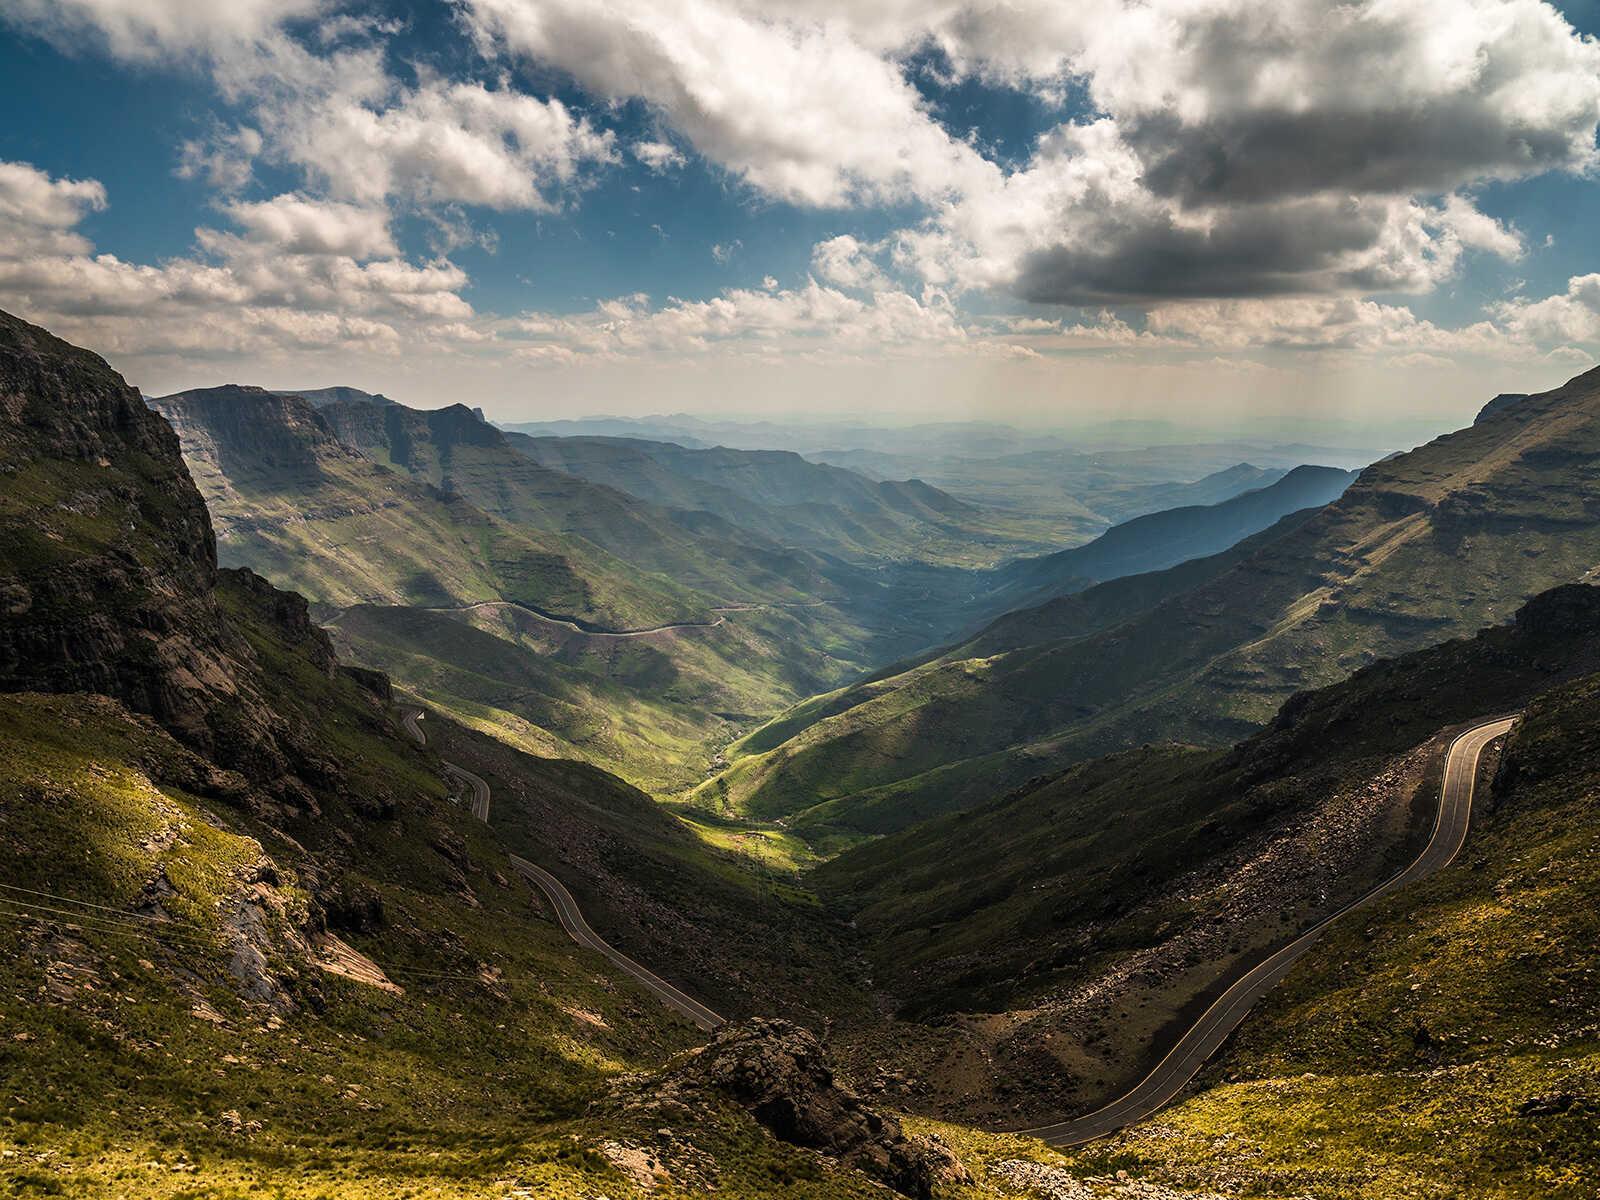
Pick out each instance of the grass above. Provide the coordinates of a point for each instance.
(1435, 543)
(989, 927)
(1444, 1042)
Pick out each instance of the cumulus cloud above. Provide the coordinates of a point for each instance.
(1570, 316)
(296, 225)
(807, 319)
(294, 272)
(1240, 149)
(225, 161)
(1340, 324)
(442, 143)
(150, 29)
(848, 263)
(658, 156)
(800, 110)
(1246, 175)
(38, 214)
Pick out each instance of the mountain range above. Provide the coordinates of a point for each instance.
(1423, 546)
(637, 630)
(253, 939)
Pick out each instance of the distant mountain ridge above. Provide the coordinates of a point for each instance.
(1163, 539)
(793, 501)
(318, 397)
(1449, 537)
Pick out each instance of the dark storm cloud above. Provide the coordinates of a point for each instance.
(1248, 251)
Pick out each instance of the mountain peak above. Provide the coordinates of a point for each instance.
(1499, 404)
(250, 428)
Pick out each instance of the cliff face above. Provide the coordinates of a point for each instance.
(107, 560)
(249, 434)
(108, 571)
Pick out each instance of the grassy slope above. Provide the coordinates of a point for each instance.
(133, 1067)
(292, 503)
(795, 502)
(1436, 542)
(1443, 1043)
(656, 710)
(1020, 906)
(127, 1046)
(831, 810)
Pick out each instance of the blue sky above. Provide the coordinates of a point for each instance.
(1046, 213)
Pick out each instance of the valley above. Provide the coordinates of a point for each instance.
(370, 892)
(962, 601)
(1422, 547)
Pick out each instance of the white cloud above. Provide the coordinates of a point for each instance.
(1252, 170)
(1343, 324)
(807, 320)
(38, 213)
(442, 143)
(658, 156)
(149, 29)
(1461, 218)
(1570, 316)
(297, 225)
(800, 110)
(848, 263)
(298, 272)
(225, 162)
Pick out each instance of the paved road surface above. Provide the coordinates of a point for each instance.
(567, 910)
(576, 628)
(457, 775)
(572, 921)
(1186, 1058)
(618, 633)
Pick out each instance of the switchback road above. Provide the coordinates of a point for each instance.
(457, 775)
(1206, 1036)
(572, 921)
(567, 910)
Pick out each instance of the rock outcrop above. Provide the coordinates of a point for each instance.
(107, 561)
(109, 581)
(779, 1073)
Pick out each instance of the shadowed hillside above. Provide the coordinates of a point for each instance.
(1428, 544)
(1070, 927)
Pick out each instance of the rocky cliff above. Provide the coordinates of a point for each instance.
(109, 581)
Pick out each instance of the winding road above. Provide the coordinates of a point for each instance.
(567, 910)
(1205, 1037)
(572, 921)
(574, 626)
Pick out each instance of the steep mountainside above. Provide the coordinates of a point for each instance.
(108, 561)
(796, 502)
(1077, 921)
(252, 945)
(1442, 1042)
(452, 449)
(1424, 545)
(291, 501)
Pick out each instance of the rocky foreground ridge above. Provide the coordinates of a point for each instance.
(779, 1073)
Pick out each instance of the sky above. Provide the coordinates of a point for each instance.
(1291, 215)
